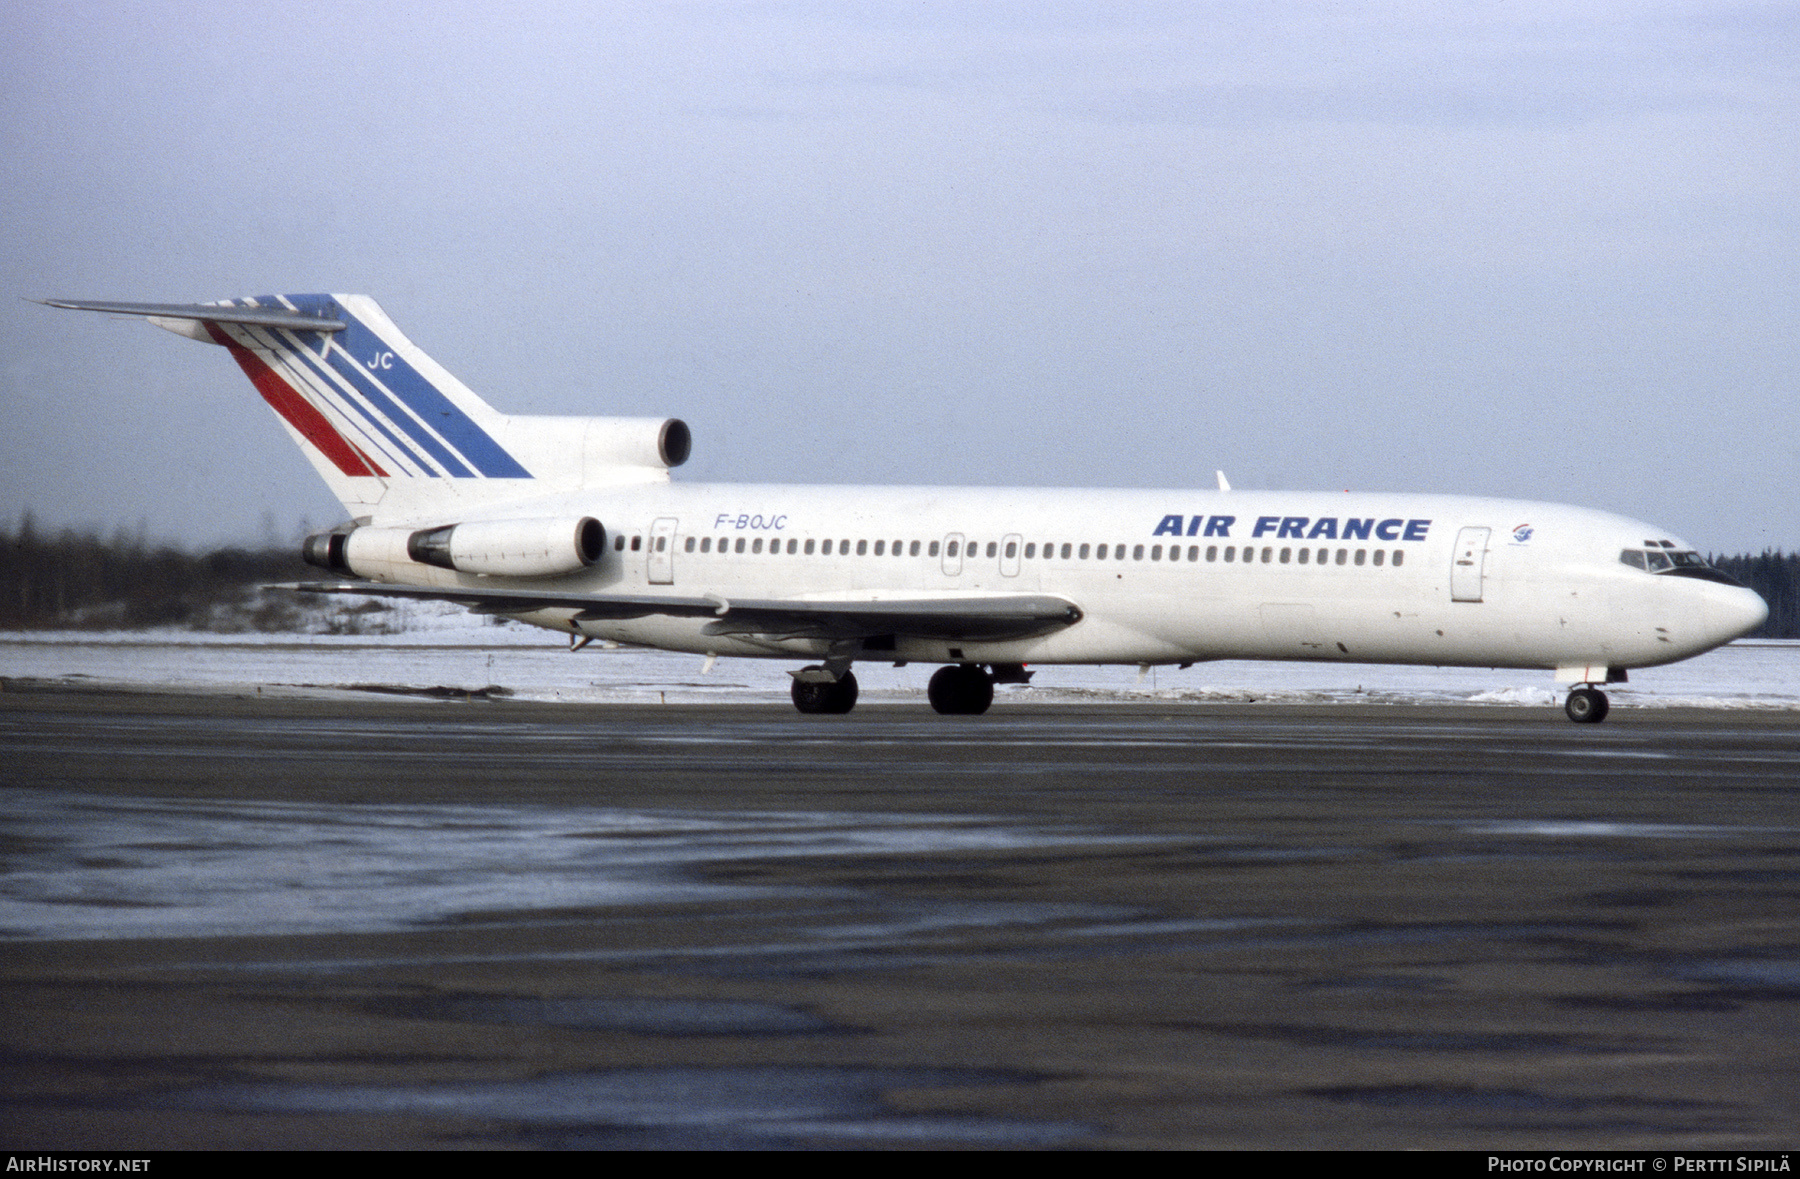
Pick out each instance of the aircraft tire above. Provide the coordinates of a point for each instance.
(1586, 706)
(961, 689)
(825, 699)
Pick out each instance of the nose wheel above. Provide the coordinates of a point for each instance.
(1586, 706)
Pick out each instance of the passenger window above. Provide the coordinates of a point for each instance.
(1399, 557)
(1065, 552)
(756, 545)
(880, 548)
(1212, 552)
(1137, 553)
(950, 549)
(1379, 554)
(618, 544)
(1012, 549)
(1359, 556)
(932, 549)
(1084, 552)
(1286, 555)
(1193, 552)
(637, 542)
(1230, 553)
(1343, 555)
(1156, 553)
(992, 549)
(690, 544)
(1099, 552)
(740, 545)
(662, 544)
(1304, 553)
(899, 547)
(862, 548)
(1268, 553)
(914, 549)
(1030, 551)
(843, 548)
(792, 545)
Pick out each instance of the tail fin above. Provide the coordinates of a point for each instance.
(389, 428)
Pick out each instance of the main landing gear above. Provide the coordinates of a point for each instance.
(821, 695)
(961, 689)
(1586, 705)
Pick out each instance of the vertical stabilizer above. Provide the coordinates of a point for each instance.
(388, 428)
(382, 423)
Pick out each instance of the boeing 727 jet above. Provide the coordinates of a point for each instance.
(573, 524)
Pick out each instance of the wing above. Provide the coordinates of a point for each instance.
(971, 617)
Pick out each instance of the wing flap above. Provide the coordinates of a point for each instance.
(967, 617)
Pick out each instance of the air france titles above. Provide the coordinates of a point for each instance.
(1298, 527)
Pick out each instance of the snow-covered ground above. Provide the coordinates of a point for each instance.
(444, 647)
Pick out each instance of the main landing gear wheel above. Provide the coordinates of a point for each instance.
(1586, 706)
(825, 697)
(962, 689)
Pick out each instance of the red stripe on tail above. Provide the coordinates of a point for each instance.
(297, 411)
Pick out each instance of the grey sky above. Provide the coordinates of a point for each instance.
(1539, 250)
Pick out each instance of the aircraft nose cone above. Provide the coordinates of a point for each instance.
(1735, 612)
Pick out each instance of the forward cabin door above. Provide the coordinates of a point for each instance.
(662, 551)
(1469, 564)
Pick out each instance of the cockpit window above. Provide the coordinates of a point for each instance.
(1675, 564)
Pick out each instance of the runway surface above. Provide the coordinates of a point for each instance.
(233, 922)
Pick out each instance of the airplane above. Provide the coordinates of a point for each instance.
(574, 524)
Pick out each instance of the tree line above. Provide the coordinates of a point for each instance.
(1776, 576)
(84, 581)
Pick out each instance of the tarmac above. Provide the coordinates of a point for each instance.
(373, 923)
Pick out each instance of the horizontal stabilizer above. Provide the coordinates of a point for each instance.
(273, 317)
(991, 617)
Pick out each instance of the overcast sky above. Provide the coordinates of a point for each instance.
(1544, 250)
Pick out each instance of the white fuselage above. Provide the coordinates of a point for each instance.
(1186, 575)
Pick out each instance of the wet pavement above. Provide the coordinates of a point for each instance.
(495, 924)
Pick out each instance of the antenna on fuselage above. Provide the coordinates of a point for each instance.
(1224, 483)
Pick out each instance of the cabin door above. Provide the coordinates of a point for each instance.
(1469, 564)
(953, 555)
(662, 551)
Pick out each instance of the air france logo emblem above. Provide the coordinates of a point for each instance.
(1522, 533)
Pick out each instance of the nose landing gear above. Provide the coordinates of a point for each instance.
(1586, 705)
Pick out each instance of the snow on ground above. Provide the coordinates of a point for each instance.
(444, 647)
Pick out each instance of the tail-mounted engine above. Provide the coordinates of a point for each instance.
(509, 548)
